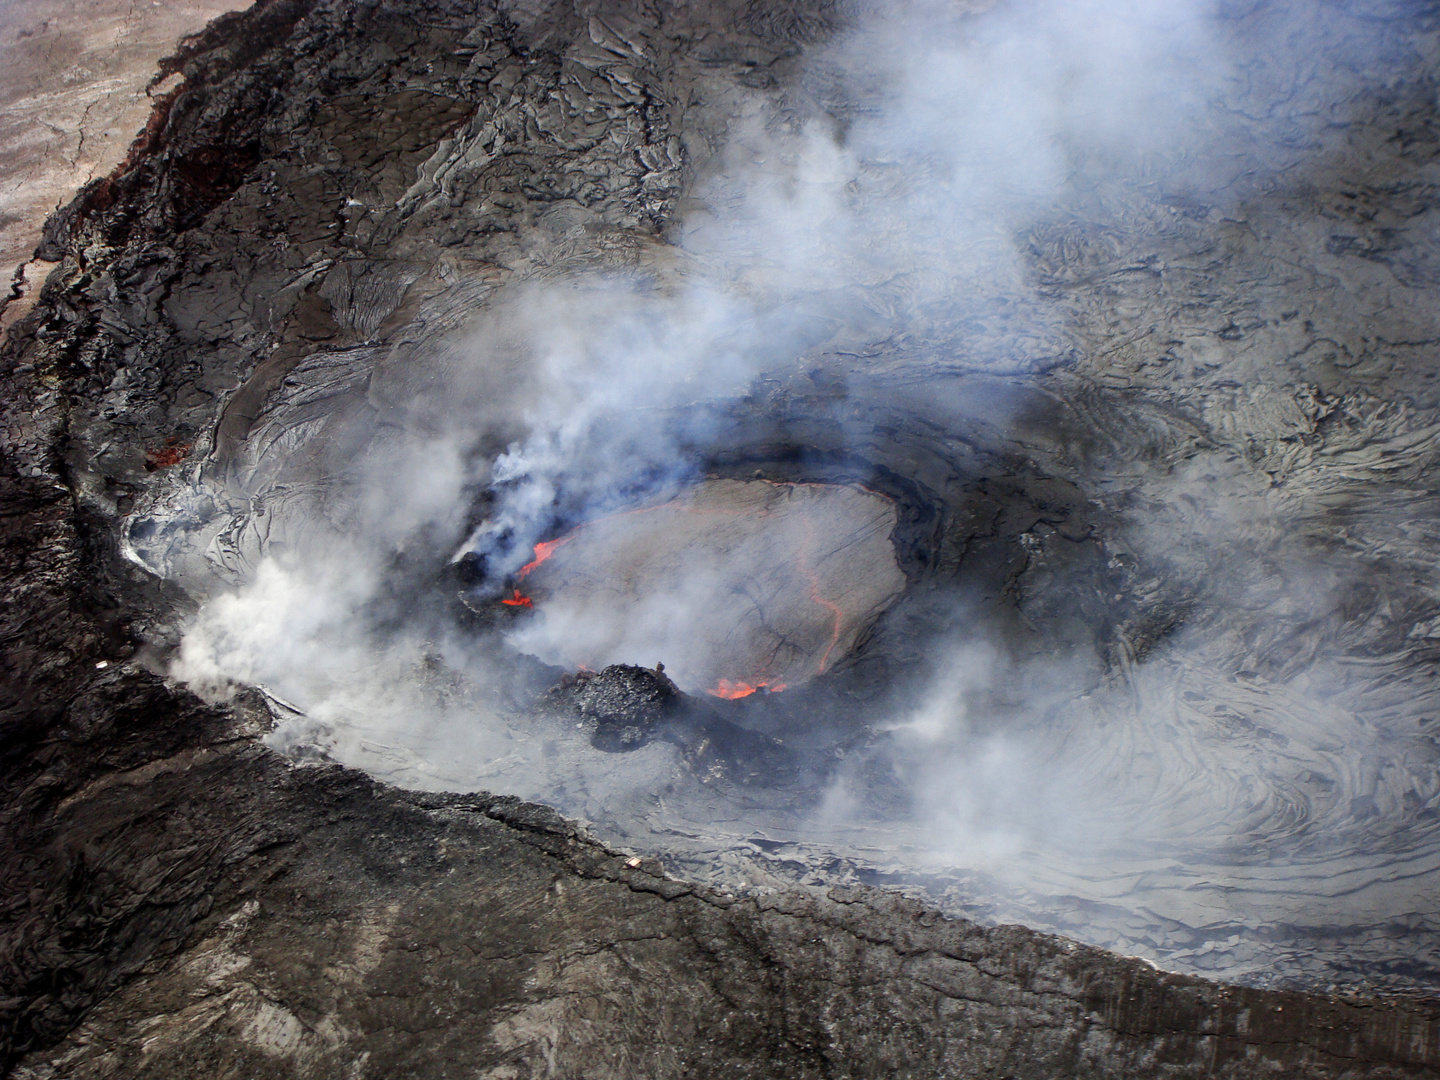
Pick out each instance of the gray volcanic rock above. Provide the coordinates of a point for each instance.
(624, 705)
(341, 929)
(277, 301)
(74, 90)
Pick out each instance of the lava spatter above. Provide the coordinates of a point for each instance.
(731, 690)
(543, 551)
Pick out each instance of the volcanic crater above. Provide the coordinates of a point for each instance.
(1061, 579)
(711, 423)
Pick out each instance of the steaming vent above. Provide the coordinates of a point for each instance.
(736, 586)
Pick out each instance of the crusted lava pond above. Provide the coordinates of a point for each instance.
(734, 585)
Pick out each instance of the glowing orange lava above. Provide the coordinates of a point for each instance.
(543, 551)
(732, 690)
(836, 614)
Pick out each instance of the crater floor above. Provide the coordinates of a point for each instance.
(735, 585)
(1158, 426)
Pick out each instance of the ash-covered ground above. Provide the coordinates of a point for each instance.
(1120, 320)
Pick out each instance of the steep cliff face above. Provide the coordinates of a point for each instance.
(1181, 445)
(74, 92)
(357, 931)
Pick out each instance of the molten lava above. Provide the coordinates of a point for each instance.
(796, 558)
(732, 690)
(836, 614)
(543, 551)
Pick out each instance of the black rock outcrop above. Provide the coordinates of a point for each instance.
(623, 705)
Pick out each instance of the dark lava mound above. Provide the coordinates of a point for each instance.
(623, 705)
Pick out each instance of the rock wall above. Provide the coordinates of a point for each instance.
(75, 90)
(269, 921)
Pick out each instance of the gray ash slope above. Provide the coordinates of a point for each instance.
(1189, 452)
